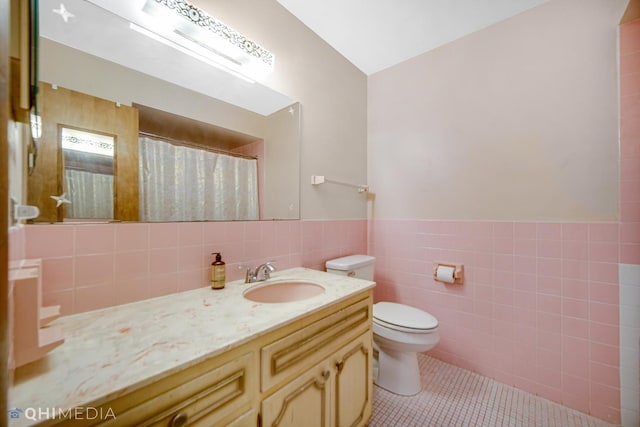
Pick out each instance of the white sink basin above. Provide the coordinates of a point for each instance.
(283, 291)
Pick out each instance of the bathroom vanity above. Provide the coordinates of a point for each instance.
(210, 358)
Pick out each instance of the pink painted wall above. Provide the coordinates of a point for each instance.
(91, 266)
(538, 308)
(630, 142)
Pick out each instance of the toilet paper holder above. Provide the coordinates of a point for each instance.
(458, 273)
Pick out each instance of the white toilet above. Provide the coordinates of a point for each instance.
(399, 332)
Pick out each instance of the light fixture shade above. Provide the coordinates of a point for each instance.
(198, 31)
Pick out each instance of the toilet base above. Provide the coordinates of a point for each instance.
(398, 372)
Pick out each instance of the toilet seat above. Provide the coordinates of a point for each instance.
(403, 318)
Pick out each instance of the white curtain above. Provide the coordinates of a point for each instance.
(180, 183)
(91, 194)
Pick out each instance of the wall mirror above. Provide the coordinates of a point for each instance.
(122, 84)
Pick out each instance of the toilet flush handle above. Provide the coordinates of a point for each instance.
(351, 273)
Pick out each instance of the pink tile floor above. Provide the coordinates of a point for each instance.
(453, 396)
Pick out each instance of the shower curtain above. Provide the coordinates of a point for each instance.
(91, 194)
(179, 183)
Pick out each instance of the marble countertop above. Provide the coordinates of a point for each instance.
(113, 351)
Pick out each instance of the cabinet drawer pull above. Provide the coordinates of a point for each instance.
(340, 365)
(325, 375)
(179, 420)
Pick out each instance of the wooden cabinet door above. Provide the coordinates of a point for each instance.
(306, 401)
(354, 383)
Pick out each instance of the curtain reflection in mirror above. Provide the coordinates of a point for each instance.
(180, 183)
(90, 194)
(88, 173)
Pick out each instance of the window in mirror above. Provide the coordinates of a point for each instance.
(88, 165)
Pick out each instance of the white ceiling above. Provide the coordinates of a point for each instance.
(377, 34)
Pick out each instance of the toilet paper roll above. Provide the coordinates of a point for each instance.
(445, 274)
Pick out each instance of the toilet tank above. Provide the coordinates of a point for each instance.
(360, 266)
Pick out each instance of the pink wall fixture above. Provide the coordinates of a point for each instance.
(92, 266)
(16, 243)
(538, 308)
(630, 142)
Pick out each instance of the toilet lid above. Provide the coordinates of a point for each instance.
(403, 316)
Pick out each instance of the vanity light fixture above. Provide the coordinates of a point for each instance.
(191, 53)
(179, 23)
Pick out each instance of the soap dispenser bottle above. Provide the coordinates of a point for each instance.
(218, 274)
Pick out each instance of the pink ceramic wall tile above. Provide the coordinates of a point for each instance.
(575, 308)
(524, 281)
(525, 247)
(603, 252)
(575, 356)
(575, 231)
(525, 231)
(548, 248)
(549, 267)
(610, 414)
(575, 288)
(131, 265)
(629, 211)
(95, 297)
(574, 249)
(549, 303)
(214, 232)
(92, 270)
(630, 232)
(131, 290)
(269, 242)
(193, 279)
(629, 167)
(576, 328)
(234, 231)
(94, 239)
(607, 293)
(575, 269)
(549, 231)
(605, 374)
(579, 402)
(503, 230)
(606, 395)
(630, 190)
(57, 274)
(190, 233)
(163, 284)
(604, 334)
(603, 272)
(252, 231)
(163, 261)
(132, 237)
(604, 313)
(163, 235)
(603, 232)
(49, 241)
(550, 341)
(604, 354)
(630, 253)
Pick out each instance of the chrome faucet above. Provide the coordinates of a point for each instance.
(252, 275)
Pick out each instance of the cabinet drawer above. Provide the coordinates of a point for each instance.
(290, 355)
(213, 389)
